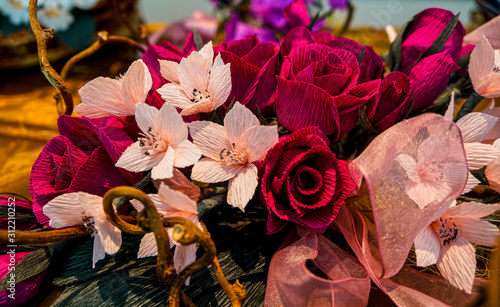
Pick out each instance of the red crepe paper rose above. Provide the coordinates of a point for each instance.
(253, 69)
(303, 182)
(319, 85)
(82, 158)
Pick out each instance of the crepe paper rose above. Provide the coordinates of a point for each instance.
(318, 86)
(24, 290)
(303, 182)
(103, 96)
(484, 69)
(445, 242)
(170, 203)
(20, 212)
(255, 65)
(199, 84)
(83, 159)
(85, 209)
(371, 66)
(431, 176)
(391, 103)
(422, 33)
(163, 144)
(231, 152)
(475, 127)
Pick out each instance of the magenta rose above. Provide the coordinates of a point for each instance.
(303, 182)
(82, 158)
(319, 85)
(253, 69)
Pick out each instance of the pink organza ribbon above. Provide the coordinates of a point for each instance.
(381, 245)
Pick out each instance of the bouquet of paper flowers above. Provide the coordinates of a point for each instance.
(312, 170)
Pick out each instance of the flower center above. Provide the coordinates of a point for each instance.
(16, 4)
(89, 224)
(228, 157)
(430, 172)
(198, 96)
(151, 141)
(447, 229)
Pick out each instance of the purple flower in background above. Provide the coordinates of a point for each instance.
(236, 29)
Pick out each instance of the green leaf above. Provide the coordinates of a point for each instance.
(81, 33)
(197, 39)
(360, 56)
(442, 38)
(394, 58)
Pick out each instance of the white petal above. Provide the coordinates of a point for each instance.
(410, 167)
(478, 155)
(193, 76)
(134, 158)
(451, 108)
(472, 210)
(186, 154)
(92, 205)
(207, 55)
(423, 194)
(102, 97)
(219, 85)
(478, 231)
(64, 211)
(211, 171)
(200, 107)
(492, 173)
(184, 256)
(242, 187)
(160, 205)
(148, 247)
(258, 140)
(427, 247)
(475, 126)
(176, 199)
(237, 120)
(146, 117)
(471, 183)
(482, 62)
(98, 251)
(218, 61)
(169, 70)
(433, 149)
(496, 145)
(170, 124)
(458, 263)
(174, 94)
(136, 84)
(209, 137)
(110, 236)
(165, 167)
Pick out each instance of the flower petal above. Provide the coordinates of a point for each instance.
(211, 171)
(478, 231)
(451, 108)
(176, 199)
(475, 126)
(478, 155)
(165, 167)
(148, 247)
(146, 117)
(258, 140)
(237, 120)
(184, 255)
(458, 263)
(192, 76)
(169, 70)
(471, 183)
(175, 95)
(489, 87)
(482, 62)
(64, 211)
(136, 84)
(98, 252)
(134, 158)
(492, 173)
(410, 167)
(170, 125)
(186, 154)
(219, 85)
(209, 137)
(472, 210)
(242, 187)
(102, 97)
(427, 247)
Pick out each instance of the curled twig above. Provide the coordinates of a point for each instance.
(140, 34)
(40, 237)
(42, 36)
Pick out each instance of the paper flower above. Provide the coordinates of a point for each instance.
(484, 69)
(431, 176)
(103, 97)
(475, 127)
(85, 209)
(163, 144)
(446, 242)
(170, 203)
(56, 17)
(15, 10)
(492, 170)
(231, 151)
(199, 84)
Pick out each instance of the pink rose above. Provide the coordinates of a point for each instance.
(303, 182)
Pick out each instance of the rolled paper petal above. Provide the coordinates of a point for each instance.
(296, 14)
(396, 213)
(429, 79)
(422, 33)
(290, 283)
(296, 38)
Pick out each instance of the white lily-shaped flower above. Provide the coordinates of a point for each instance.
(431, 175)
(475, 127)
(445, 242)
(199, 84)
(170, 203)
(484, 69)
(164, 143)
(230, 151)
(103, 97)
(85, 209)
